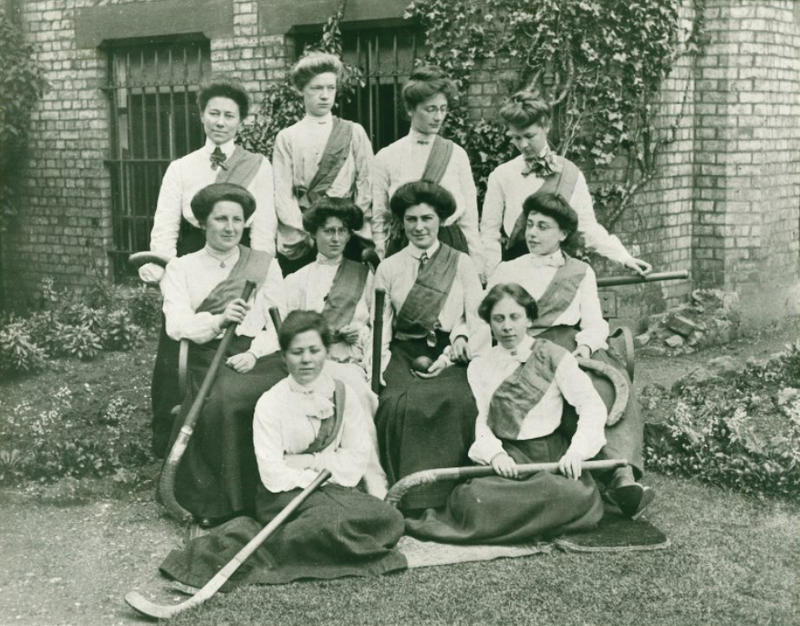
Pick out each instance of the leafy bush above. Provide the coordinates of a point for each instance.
(62, 441)
(741, 432)
(77, 324)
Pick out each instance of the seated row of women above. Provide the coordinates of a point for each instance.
(504, 409)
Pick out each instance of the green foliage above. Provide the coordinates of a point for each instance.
(600, 63)
(282, 105)
(76, 324)
(22, 83)
(60, 441)
(743, 432)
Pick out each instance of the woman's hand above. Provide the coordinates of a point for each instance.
(643, 268)
(436, 368)
(461, 351)
(570, 465)
(503, 465)
(242, 362)
(349, 333)
(235, 312)
(582, 351)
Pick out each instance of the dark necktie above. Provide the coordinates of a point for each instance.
(218, 159)
(423, 259)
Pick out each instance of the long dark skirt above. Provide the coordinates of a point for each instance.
(336, 532)
(499, 510)
(624, 439)
(217, 475)
(423, 423)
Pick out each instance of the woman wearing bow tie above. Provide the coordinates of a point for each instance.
(537, 167)
(425, 155)
(570, 315)
(223, 105)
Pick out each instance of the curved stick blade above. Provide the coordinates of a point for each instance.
(157, 611)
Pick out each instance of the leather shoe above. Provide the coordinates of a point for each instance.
(211, 522)
(631, 499)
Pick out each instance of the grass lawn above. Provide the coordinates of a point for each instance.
(733, 560)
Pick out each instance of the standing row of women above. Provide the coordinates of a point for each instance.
(433, 411)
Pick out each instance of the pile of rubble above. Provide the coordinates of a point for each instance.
(710, 318)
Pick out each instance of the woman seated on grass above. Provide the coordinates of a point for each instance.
(520, 386)
(307, 422)
(216, 477)
(570, 315)
(426, 414)
(341, 290)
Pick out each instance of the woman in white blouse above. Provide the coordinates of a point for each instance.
(570, 315)
(520, 386)
(307, 422)
(216, 478)
(426, 413)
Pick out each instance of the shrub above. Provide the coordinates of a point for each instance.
(742, 432)
(62, 441)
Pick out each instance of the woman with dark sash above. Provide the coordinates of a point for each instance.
(426, 415)
(425, 155)
(570, 315)
(307, 422)
(223, 105)
(520, 386)
(321, 155)
(537, 167)
(341, 290)
(216, 477)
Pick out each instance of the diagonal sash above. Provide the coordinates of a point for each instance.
(345, 294)
(523, 389)
(329, 428)
(241, 168)
(336, 151)
(252, 265)
(560, 292)
(438, 160)
(420, 312)
(562, 183)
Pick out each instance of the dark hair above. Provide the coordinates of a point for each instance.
(514, 291)
(425, 82)
(554, 205)
(311, 65)
(525, 108)
(224, 87)
(298, 322)
(419, 191)
(204, 200)
(324, 207)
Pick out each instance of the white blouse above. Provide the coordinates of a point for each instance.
(308, 288)
(287, 419)
(298, 150)
(187, 282)
(459, 315)
(188, 175)
(404, 161)
(488, 371)
(507, 189)
(535, 273)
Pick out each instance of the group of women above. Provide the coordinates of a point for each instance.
(297, 399)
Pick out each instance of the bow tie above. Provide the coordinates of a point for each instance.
(541, 166)
(218, 159)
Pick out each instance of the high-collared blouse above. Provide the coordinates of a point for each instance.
(535, 274)
(298, 150)
(288, 418)
(459, 315)
(485, 374)
(404, 161)
(507, 189)
(188, 175)
(308, 289)
(190, 278)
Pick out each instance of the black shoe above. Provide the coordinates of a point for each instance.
(631, 499)
(211, 522)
